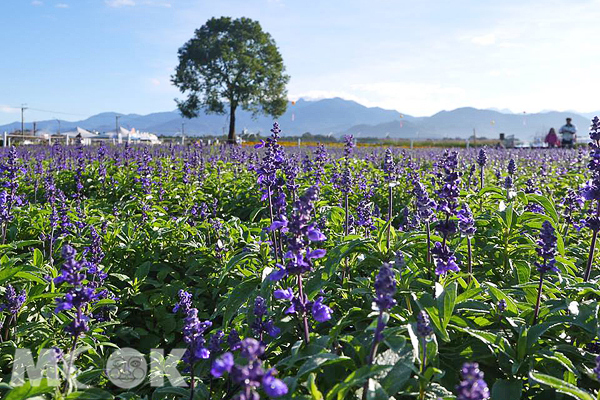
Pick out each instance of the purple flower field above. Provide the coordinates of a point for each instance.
(302, 272)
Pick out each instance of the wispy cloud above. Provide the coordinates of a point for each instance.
(119, 3)
(37, 3)
(484, 40)
(131, 3)
(62, 5)
(8, 109)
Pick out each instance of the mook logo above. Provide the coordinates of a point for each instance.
(125, 368)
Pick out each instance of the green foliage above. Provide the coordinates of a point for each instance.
(231, 63)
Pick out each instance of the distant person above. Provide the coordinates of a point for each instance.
(552, 139)
(569, 134)
(78, 139)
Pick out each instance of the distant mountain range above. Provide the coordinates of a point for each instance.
(335, 117)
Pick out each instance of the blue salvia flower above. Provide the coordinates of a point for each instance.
(472, 386)
(547, 248)
(466, 223)
(389, 166)
(424, 328)
(501, 306)
(185, 301)
(385, 288)
(300, 232)
(249, 376)
(445, 260)
(262, 323)
(320, 311)
(79, 295)
(193, 331)
(13, 301)
(482, 158)
(216, 342)
(512, 167)
(349, 145)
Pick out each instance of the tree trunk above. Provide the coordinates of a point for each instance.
(231, 136)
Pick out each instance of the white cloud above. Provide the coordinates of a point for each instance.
(131, 3)
(155, 82)
(484, 40)
(37, 3)
(119, 3)
(311, 95)
(62, 5)
(8, 109)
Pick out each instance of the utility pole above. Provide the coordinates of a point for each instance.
(34, 124)
(58, 120)
(117, 132)
(23, 108)
(182, 133)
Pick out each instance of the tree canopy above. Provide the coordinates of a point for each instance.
(231, 63)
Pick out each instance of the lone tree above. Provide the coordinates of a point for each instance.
(230, 63)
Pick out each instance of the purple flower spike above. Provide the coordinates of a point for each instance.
(278, 274)
(472, 386)
(272, 386)
(316, 236)
(320, 311)
(385, 288)
(547, 248)
(221, 365)
(318, 253)
(424, 328)
(284, 294)
(13, 301)
(259, 145)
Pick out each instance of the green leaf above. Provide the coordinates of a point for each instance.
(234, 261)
(38, 258)
(498, 294)
(319, 360)
(142, 270)
(560, 386)
(163, 392)
(356, 378)
(507, 390)
(30, 277)
(446, 302)
(90, 394)
(27, 391)
(538, 330)
(314, 391)
(238, 296)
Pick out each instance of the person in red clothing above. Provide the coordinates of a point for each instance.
(552, 138)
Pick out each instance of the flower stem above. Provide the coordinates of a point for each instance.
(192, 381)
(373, 351)
(304, 317)
(390, 212)
(588, 269)
(470, 259)
(422, 383)
(539, 297)
(271, 213)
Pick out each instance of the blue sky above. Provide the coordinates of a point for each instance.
(82, 57)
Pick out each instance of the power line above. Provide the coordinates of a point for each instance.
(52, 112)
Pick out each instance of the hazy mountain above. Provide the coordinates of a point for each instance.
(461, 122)
(337, 117)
